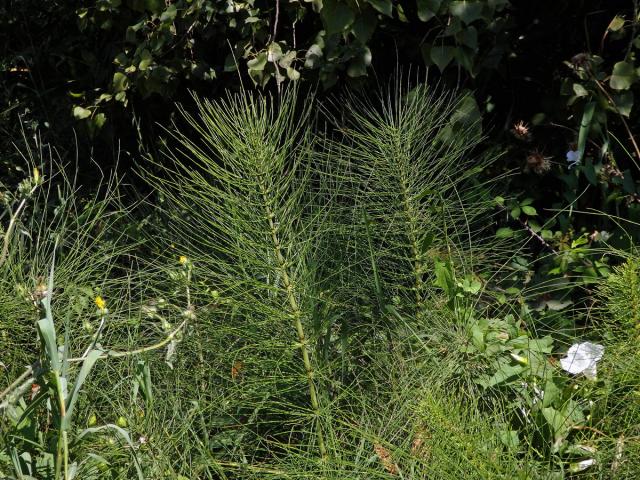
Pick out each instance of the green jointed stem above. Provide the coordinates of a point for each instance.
(290, 288)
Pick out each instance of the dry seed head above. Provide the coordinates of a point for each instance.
(521, 131)
(537, 163)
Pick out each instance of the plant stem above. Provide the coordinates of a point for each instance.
(297, 313)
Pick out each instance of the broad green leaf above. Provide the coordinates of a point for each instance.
(509, 439)
(169, 15)
(427, 9)
(426, 242)
(358, 66)
(504, 232)
(624, 102)
(365, 25)
(467, 11)
(87, 365)
(579, 90)
(99, 120)
(589, 172)
(120, 82)
(557, 421)
(585, 126)
(551, 393)
(155, 6)
(528, 210)
(469, 37)
(258, 62)
(81, 113)
(293, 74)
(145, 60)
(444, 278)
(504, 372)
(623, 76)
(442, 55)
(383, 6)
(337, 16)
(47, 334)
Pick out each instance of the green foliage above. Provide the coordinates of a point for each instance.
(323, 303)
(621, 295)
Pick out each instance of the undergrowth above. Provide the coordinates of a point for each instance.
(328, 303)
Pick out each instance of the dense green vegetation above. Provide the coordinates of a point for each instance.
(324, 240)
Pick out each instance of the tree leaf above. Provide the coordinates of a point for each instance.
(120, 82)
(365, 25)
(529, 210)
(427, 9)
(383, 6)
(154, 6)
(467, 11)
(258, 62)
(145, 60)
(624, 102)
(337, 16)
(442, 55)
(579, 90)
(169, 15)
(81, 113)
(622, 77)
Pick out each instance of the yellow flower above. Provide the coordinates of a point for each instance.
(100, 303)
(182, 260)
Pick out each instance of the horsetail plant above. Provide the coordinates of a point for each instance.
(243, 205)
